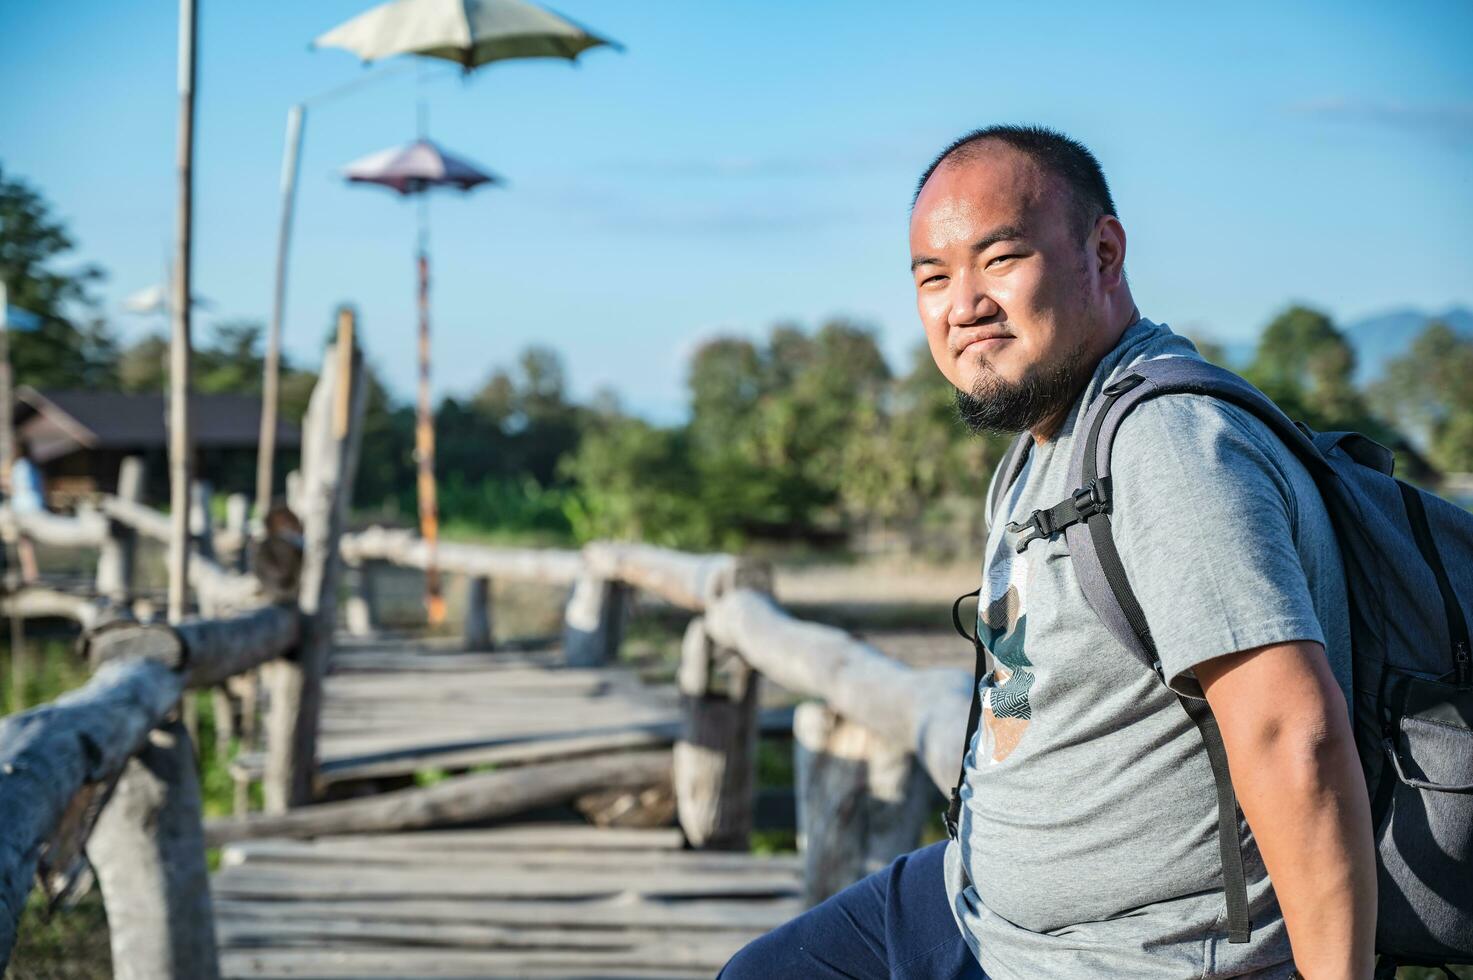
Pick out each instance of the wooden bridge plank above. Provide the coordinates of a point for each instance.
(316, 882)
(758, 914)
(445, 965)
(346, 851)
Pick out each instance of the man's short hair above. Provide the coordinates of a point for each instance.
(1057, 154)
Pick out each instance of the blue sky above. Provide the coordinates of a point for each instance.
(743, 163)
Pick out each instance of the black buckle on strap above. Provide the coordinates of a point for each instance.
(1091, 499)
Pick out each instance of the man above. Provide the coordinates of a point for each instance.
(1087, 844)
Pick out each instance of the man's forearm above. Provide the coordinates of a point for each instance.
(1305, 798)
(1299, 782)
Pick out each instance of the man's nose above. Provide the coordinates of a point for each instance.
(969, 302)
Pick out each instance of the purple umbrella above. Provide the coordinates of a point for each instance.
(415, 168)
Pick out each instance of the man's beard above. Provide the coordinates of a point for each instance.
(997, 406)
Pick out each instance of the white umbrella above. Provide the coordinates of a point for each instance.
(155, 299)
(467, 32)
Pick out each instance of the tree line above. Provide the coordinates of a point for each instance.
(798, 436)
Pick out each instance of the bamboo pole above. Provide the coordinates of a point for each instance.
(424, 444)
(181, 462)
(271, 370)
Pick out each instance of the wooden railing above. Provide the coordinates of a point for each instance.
(109, 768)
(875, 733)
(873, 736)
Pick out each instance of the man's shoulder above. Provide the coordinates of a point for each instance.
(1203, 432)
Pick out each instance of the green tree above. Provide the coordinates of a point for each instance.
(914, 468)
(1306, 365)
(636, 482)
(1429, 390)
(73, 347)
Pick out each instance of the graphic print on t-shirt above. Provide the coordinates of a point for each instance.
(1002, 626)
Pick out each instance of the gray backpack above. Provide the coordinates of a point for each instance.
(1408, 559)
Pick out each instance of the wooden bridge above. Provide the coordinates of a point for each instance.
(444, 808)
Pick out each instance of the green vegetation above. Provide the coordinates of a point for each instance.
(804, 438)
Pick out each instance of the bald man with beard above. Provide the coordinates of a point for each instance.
(1086, 840)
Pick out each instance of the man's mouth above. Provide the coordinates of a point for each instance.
(985, 341)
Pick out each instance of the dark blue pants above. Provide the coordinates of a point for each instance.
(896, 923)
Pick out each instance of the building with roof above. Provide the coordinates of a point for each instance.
(79, 439)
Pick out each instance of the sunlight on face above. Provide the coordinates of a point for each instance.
(1001, 279)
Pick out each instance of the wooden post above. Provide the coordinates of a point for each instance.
(478, 613)
(181, 446)
(715, 763)
(238, 523)
(119, 550)
(331, 430)
(360, 613)
(294, 490)
(862, 800)
(271, 369)
(148, 851)
(201, 525)
(593, 623)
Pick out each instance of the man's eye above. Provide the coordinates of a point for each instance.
(1001, 258)
(929, 280)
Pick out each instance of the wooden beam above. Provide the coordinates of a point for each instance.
(120, 545)
(35, 602)
(330, 434)
(50, 754)
(715, 758)
(478, 621)
(593, 621)
(88, 529)
(361, 613)
(271, 367)
(923, 710)
(404, 548)
(686, 580)
(181, 442)
(147, 850)
(207, 651)
(862, 801)
(462, 799)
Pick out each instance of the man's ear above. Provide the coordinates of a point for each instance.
(1110, 250)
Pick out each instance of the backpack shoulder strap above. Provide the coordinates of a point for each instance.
(1007, 473)
(1102, 576)
(1096, 560)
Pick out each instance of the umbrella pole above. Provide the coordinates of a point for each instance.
(271, 370)
(181, 449)
(424, 443)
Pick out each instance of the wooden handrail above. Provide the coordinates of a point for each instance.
(60, 762)
(923, 710)
(55, 757)
(407, 549)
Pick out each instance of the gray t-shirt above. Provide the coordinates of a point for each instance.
(1089, 823)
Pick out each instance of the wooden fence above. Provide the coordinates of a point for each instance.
(874, 733)
(110, 767)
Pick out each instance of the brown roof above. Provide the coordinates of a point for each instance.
(115, 420)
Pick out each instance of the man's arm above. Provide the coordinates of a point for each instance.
(1294, 767)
